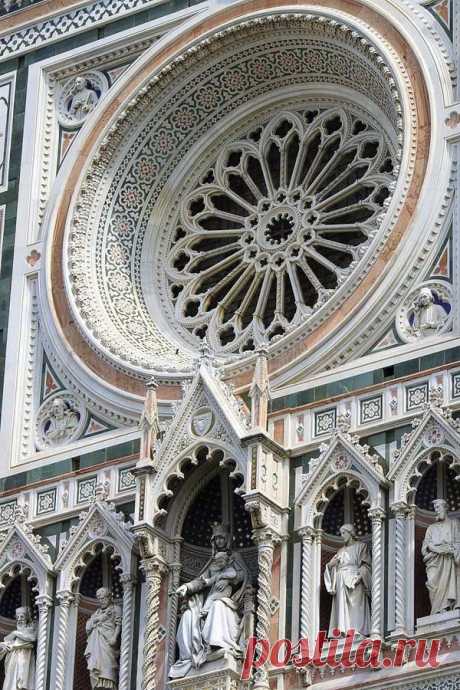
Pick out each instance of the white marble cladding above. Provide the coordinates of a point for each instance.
(65, 497)
(392, 404)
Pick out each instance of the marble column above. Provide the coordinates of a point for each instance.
(154, 569)
(306, 583)
(266, 541)
(44, 603)
(66, 601)
(377, 516)
(400, 512)
(126, 633)
(174, 582)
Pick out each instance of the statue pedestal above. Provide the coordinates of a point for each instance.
(222, 674)
(448, 621)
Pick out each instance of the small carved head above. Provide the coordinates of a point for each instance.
(220, 560)
(80, 84)
(58, 408)
(104, 597)
(220, 537)
(23, 616)
(348, 533)
(424, 298)
(440, 508)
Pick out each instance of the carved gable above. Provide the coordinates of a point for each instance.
(344, 461)
(101, 524)
(21, 548)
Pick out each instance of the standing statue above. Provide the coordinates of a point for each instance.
(429, 317)
(348, 578)
(18, 650)
(83, 99)
(210, 621)
(103, 630)
(441, 555)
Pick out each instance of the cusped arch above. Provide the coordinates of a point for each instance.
(22, 553)
(170, 481)
(406, 485)
(317, 502)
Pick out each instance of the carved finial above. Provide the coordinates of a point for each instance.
(101, 492)
(343, 423)
(205, 352)
(149, 424)
(260, 390)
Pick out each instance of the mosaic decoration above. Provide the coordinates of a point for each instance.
(325, 421)
(86, 489)
(46, 501)
(416, 396)
(371, 409)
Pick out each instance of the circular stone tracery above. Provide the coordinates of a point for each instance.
(122, 282)
(276, 225)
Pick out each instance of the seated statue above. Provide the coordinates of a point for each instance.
(348, 578)
(211, 620)
(441, 555)
(18, 650)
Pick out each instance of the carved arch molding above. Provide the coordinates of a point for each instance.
(242, 192)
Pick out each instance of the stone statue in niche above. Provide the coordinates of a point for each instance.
(441, 555)
(348, 579)
(428, 317)
(61, 423)
(18, 651)
(210, 623)
(102, 647)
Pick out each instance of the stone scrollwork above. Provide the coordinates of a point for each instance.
(79, 96)
(60, 420)
(426, 311)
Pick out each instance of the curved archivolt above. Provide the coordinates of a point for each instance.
(276, 225)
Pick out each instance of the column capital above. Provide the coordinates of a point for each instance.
(66, 598)
(44, 601)
(153, 566)
(400, 509)
(307, 534)
(376, 514)
(266, 536)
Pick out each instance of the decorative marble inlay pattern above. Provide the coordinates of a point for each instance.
(456, 385)
(416, 396)
(126, 479)
(8, 512)
(6, 115)
(46, 501)
(371, 409)
(325, 421)
(86, 489)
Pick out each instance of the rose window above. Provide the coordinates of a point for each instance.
(276, 225)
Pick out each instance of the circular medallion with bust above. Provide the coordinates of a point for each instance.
(212, 623)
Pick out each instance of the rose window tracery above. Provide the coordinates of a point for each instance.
(276, 225)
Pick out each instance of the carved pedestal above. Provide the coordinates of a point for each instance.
(222, 674)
